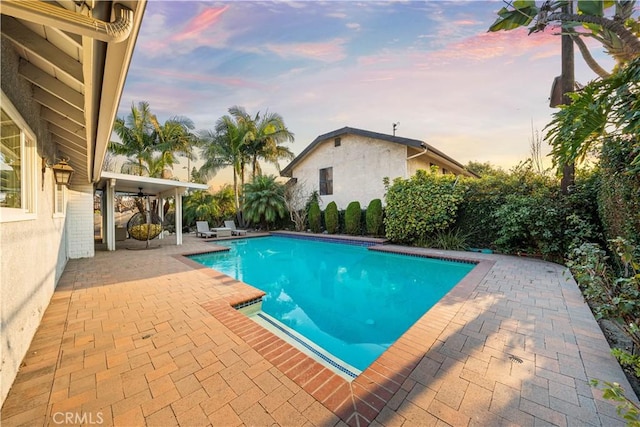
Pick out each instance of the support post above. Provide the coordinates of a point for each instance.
(110, 211)
(178, 215)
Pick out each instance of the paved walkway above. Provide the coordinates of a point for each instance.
(145, 337)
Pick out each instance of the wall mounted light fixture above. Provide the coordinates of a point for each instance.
(62, 172)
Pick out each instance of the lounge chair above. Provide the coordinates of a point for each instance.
(202, 229)
(235, 231)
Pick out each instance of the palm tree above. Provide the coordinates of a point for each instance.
(198, 206)
(266, 133)
(224, 201)
(136, 136)
(264, 200)
(175, 137)
(224, 147)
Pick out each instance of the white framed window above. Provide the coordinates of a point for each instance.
(59, 200)
(18, 171)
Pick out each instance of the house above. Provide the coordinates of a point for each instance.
(350, 164)
(63, 71)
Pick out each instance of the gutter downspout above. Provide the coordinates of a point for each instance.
(424, 151)
(45, 13)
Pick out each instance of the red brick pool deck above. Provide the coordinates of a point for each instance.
(147, 337)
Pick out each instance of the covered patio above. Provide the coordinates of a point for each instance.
(112, 183)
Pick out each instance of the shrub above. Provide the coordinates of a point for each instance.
(530, 223)
(314, 216)
(618, 201)
(374, 217)
(264, 200)
(421, 205)
(452, 239)
(331, 218)
(352, 218)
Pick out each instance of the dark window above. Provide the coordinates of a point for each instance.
(326, 181)
(444, 171)
(337, 142)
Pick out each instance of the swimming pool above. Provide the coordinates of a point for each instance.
(350, 301)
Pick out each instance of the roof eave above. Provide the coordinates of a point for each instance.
(112, 76)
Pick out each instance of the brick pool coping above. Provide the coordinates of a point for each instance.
(360, 401)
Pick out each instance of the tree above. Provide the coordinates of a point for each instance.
(224, 147)
(264, 200)
(620, 37)
(482, 169)
(602, 109)
(618, 34)
(150, 146)
(265, 136)
(224, 201)
(136, 135)
(175, 137)
(295, 196)
(198, 206)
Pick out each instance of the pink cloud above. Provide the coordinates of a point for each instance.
(330, 51)
(200, 22)
(464, 22)
(491, 45)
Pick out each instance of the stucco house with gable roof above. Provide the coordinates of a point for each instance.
(350, 164)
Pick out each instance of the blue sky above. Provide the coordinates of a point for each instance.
(429, 65)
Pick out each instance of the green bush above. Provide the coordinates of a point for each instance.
(331, 218)
(530, 223)
(420, 205)
(352, 219)
(452, 239)
(315, 217)
(374, 217)
(618, 198)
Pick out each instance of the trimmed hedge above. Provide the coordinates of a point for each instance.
(374, 217)
(331, 218)
(352, 219)
(420, 205)
(315, 217)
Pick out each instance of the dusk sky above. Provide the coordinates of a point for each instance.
(429, 65)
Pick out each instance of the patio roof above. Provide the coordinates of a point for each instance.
(153, 186)
(111, 183)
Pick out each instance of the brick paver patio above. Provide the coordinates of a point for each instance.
(146, 337)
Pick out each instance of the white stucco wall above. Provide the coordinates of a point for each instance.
(33, 256)
(359, 165)
(79, 227)
(32, 252)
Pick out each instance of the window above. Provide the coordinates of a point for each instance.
(337, 142)
(59, 200)
(444, 171)
(18, 177)
(326, 181)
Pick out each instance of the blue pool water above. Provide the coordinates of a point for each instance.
(350, 301)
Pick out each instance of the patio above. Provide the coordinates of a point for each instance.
(144, 337)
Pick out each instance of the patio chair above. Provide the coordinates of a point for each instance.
(235, 231)
(202, 229)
